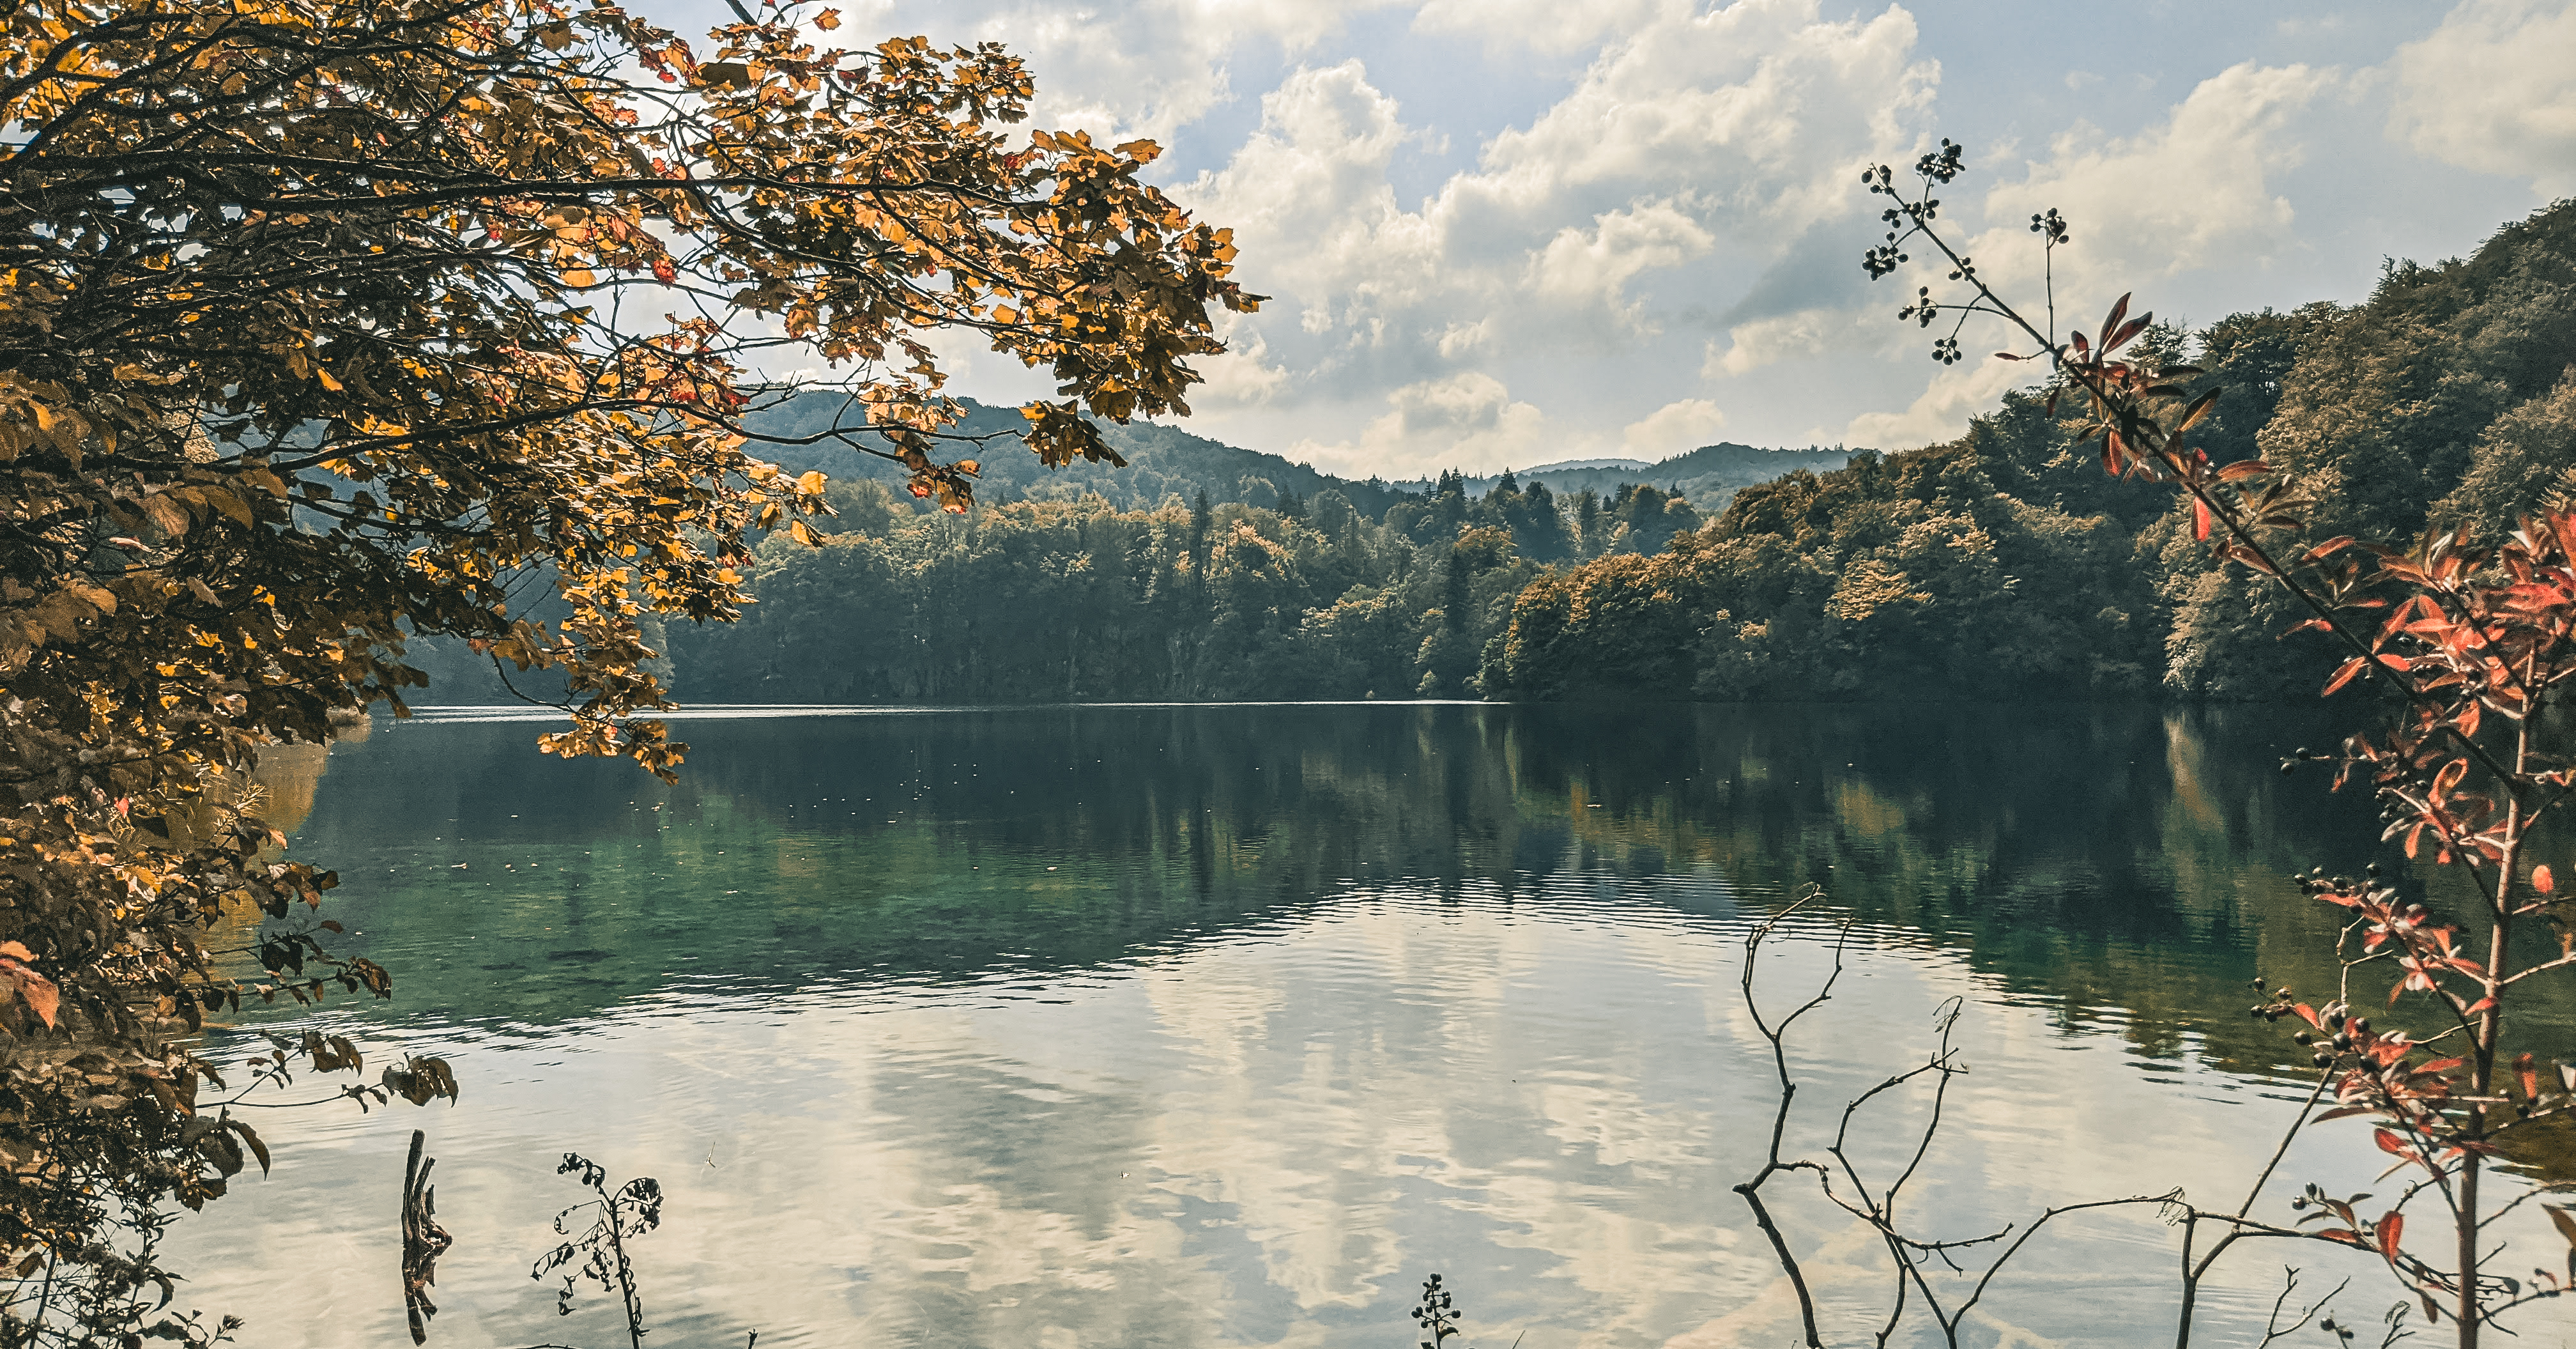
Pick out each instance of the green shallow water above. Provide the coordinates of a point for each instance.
(1226, 1025)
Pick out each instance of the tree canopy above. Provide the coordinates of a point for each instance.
(330, 325)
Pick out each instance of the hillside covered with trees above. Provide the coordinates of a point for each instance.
(1051, 599)
(2003, 563)
(2007, 562)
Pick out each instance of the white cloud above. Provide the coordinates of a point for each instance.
(1460, 404)
(1466, 420)
(1591, 270)
(1942, 410)
(1674, 428)
(1118, 70)
(1638, 200)
(1546, 25)
(1308, 199)
(1463, 339)
(1764, 341)
(2193, 192)
(1241, 377)
(1761, 100)
(2490, 90)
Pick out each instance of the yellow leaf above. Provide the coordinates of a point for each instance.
(828, 20)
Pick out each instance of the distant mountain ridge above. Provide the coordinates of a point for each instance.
(1167, 461)
(1708, 477)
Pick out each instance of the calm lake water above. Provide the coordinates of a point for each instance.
(1218, 1026)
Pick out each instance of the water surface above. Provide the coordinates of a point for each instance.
(1217, 1026)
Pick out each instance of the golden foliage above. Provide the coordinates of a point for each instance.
(321, 323)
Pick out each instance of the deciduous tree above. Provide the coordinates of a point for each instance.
(328, 324)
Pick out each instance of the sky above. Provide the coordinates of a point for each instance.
(1500, 233)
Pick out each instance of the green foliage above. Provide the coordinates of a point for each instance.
(2007, 563)
(1054, 600)
(1904, 575)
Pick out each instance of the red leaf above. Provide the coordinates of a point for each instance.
(2309, 1015)
(39, 991)
(2393, 1145)
(2110, 325)
(2344, 676)
(2542, 881)
(2450, 775)
(2391, 1228)
(2199, 518)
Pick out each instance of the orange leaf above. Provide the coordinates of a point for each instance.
(16, 950)
(40, 992)
(2390, 1229)
(2542, 881)
(2199, 518)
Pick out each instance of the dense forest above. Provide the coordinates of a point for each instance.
(2002, 563)
(1082, 600)
(2006, 562)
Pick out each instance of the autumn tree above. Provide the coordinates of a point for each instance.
(326, 325)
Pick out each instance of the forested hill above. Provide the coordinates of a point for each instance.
(2005, 563)
(1709, 476)
(1164, 461)
(1161, 461)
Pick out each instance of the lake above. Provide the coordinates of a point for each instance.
(1226, 1025)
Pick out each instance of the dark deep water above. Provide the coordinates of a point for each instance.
(1226, 1025)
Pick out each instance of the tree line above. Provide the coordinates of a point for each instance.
(2003, 563)
(1079, 600)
